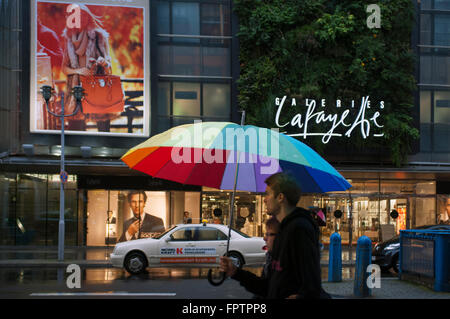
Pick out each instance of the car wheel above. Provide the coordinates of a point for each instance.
(239, 261)
(135, 263)
(395, 263)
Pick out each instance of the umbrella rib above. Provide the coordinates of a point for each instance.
(311, 167)
(312, 178)
(292, 144)
(192, 170)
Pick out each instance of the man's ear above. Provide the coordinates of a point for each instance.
(280, 197)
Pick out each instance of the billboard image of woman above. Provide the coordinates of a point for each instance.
(100, 46)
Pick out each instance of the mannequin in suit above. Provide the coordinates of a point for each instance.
(111, 219)
(141, 222)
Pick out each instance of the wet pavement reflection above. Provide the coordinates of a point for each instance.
(49, 253)
(104, 275)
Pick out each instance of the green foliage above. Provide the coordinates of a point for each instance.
(323, 49)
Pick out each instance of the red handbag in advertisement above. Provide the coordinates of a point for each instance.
(102, 94)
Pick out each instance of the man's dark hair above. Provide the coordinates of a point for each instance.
(286, 184)
(142, 193)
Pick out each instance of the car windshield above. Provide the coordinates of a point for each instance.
(167, 230)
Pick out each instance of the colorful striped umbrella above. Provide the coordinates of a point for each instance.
(212, 153)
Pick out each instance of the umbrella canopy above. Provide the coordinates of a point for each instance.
(206, 154)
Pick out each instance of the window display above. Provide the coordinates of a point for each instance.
(444, 209)
(114, 216)
(248, 210)
(117, 216)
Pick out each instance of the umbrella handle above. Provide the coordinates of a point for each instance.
(217, 283)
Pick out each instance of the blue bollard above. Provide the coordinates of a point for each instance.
(335, 259)
(442, 263)
(363, 259)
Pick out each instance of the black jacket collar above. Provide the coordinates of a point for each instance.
(298, 212)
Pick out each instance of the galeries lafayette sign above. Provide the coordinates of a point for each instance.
(341, 124)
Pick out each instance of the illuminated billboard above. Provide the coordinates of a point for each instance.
(102, 46)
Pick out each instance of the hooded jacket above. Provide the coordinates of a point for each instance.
(295, 266)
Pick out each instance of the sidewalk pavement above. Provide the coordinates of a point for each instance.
(391, 288)
(98, 257)
(33, 256)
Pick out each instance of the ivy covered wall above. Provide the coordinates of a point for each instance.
(322, 49)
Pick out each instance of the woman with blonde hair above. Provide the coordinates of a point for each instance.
(86, 52)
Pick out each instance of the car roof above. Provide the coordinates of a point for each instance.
(203, 224)
(222, 227)
(219, 226)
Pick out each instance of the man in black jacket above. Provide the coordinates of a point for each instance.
(295, 267)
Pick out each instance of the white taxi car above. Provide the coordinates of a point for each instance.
(193, 245)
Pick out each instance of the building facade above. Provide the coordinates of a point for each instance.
(191, 73)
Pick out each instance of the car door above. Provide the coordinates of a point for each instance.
(211, 243)
(177, 249)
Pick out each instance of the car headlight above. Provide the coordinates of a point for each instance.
(117, 250)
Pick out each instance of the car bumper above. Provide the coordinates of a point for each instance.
(116, 260)
(382, 261)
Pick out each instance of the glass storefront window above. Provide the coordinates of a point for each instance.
(163, 17)
(441, 4)
(442, 29)
(216, 99)
(186, 20)
(443, 209)
(442, 106)
(7, 208)
(216, 61)
(248, 210)
(113, 215)
(186, 60)
(31, 209)
(371, 203)
(441, 120)
(164, 98)
(433, 69)
(215, 19)
(164, 58)
(186, 99)
(425, 212)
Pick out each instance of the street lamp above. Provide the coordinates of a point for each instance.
(47, 92)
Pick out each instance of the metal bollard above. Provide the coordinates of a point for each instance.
(335, 259)
(363, 259)
(441, 262)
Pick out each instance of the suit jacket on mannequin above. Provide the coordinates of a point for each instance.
(149, 224)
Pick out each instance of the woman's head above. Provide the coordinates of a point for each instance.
(79, 17)
(272, 228)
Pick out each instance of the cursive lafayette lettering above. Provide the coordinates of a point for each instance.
(306, 120)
